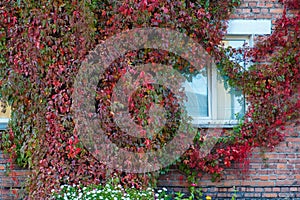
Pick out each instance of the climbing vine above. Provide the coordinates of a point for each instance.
(43, 43)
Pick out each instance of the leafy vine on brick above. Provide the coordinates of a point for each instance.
(43, 43)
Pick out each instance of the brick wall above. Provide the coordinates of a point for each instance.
(11, 181)
(270, 174)
(258, 9)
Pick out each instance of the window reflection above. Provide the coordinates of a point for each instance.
(197, 95)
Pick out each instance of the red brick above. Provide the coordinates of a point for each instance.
(268, 189)
(255, 177)
(281, 177)
(284, 189)
(252, 4)
(222, 189)
(273, 177)
(270, 195)
(272, 155)
(285, 195)
(293, 189)
(250, 189)
(255, 166)
(247, 183)
(291, 156)
(249, 194)
(246, 10)
(261, 4)
(276, 10)
(269, 5)
(234, 16)
(257, 195)
(285, 182)
(277, 5)
(243, 5)
(224, 195)
(256, 10)
(264, 178)
(231, 183)
(281, 166)
(264, 183)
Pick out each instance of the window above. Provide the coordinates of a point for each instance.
(209, 101)
(4, 115)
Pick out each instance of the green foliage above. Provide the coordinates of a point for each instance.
(42, 44)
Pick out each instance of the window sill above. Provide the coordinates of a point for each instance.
(200, 123)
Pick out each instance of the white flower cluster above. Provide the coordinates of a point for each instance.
(107, 192)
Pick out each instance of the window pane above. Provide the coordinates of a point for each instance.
(197, 95)
(230, 102)
(236, 43)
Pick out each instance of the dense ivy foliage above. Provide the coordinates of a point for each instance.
(43, 43)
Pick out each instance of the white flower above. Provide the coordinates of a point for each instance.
(165, 189)
(159, 191)
(156, 195)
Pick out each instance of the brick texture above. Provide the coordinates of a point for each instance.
(11, 181)
(263, 9)
(273, 174)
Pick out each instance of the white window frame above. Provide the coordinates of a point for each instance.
(238, 29)
(212, 73)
